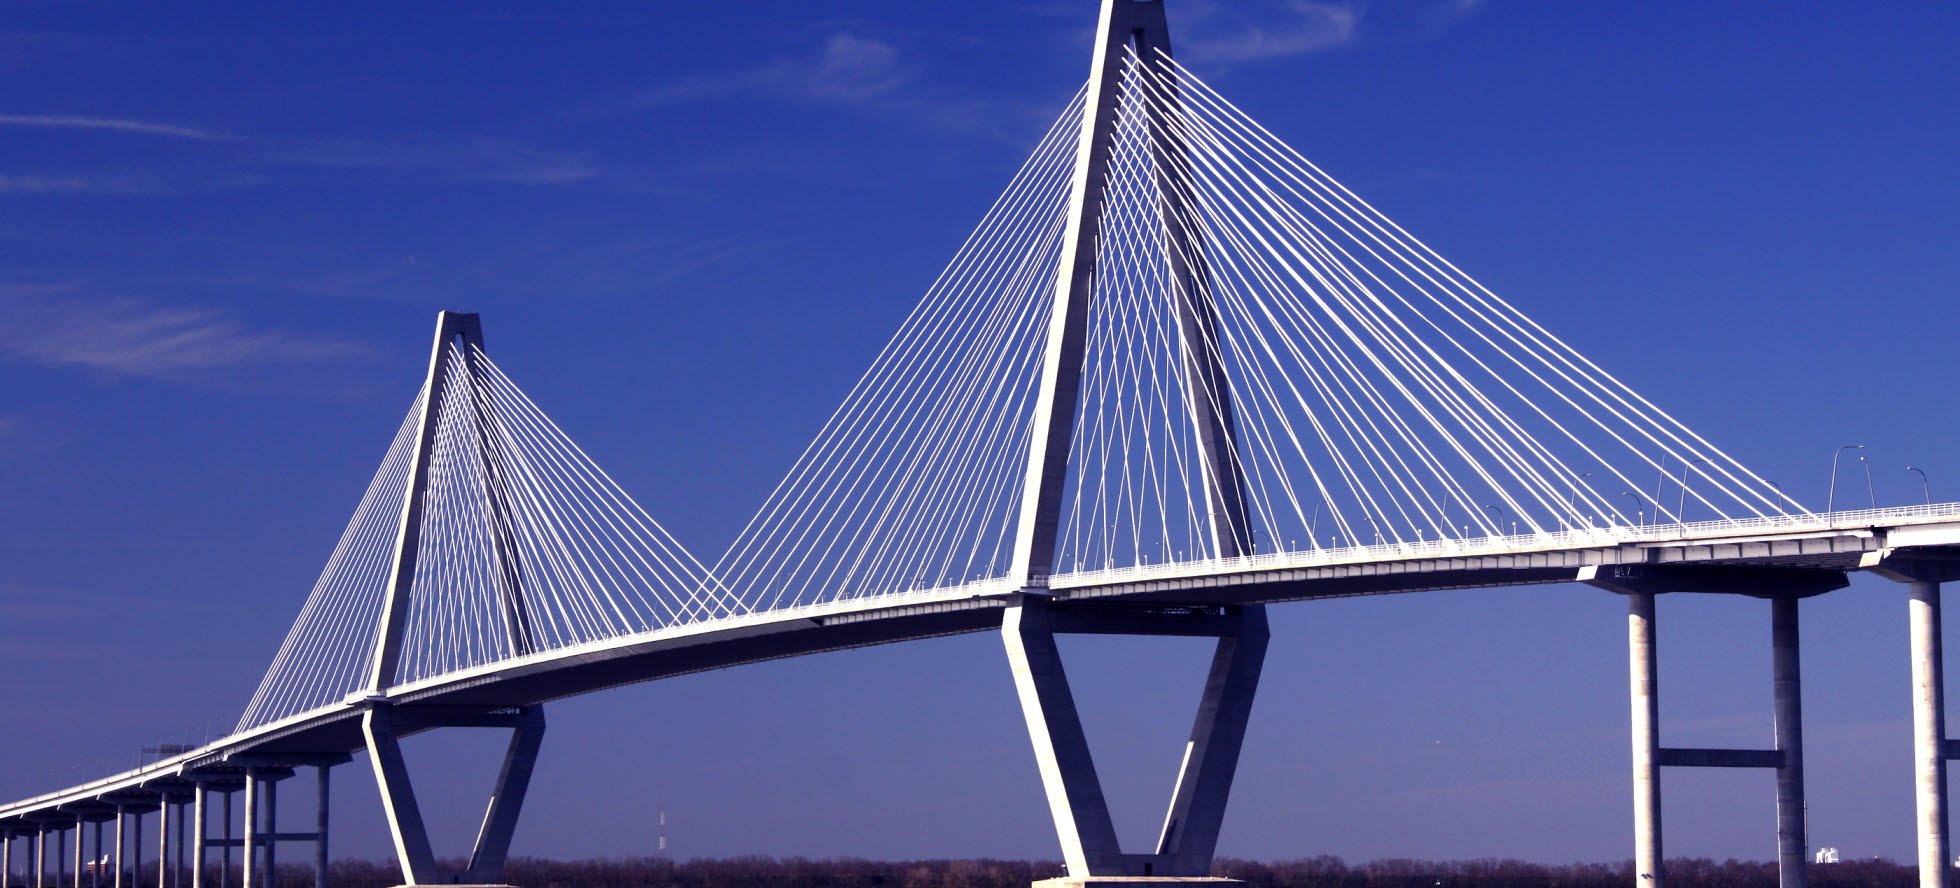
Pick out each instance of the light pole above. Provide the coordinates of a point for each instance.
(1639, 507)
(1869, 490)
(1572, 494)
(1681, 507)
(1924, 484)
(1496, 514)
(1830, 493)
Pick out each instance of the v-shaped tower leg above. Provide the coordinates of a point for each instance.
(1068, 772)
(383, 726)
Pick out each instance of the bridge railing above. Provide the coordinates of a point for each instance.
(1569, 538)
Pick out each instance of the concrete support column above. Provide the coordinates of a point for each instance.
(224, 852)
(1928, 732)
(77, 877)
(320, 827)
(60, 853)
(200, 796)
(40, 857)
(95, 872)
(177, 870)
(135, 847)
(120, 843)
(1792, 847)
(249, 877)
(163, 842)
(6, 860)
(1644, 682)
(271, 816)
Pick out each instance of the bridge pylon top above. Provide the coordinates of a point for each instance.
(486, 536)
(1176, 339)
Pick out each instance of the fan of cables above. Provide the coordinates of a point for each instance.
(1373, 392)
(1269, 365)
(525, 546)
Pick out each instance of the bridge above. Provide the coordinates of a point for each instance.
(1176, 374)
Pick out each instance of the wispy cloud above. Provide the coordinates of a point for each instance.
(866, 74)
(111, 123)
(125, 337)
(479, 160)
(64, 185)
(848, 68)
(32, 650)
(256, 160)
(1305, 26)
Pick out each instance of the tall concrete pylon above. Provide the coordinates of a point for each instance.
(385, 722)
(1189, 835)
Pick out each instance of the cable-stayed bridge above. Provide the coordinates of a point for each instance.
(1177, 373)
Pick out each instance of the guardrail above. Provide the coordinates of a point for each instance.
(1507, 544)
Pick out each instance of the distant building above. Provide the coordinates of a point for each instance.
(1827, 854)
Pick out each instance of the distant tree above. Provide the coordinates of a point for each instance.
(1324, 871)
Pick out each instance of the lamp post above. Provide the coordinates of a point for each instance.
(1681, 507)
(1924, 485)
(1869, 490)
(1496, 514)
(1571, 495)
(1639, 507)
(1830, 493)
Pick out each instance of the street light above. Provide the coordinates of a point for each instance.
(1869, 490)
(1639, 507)
(1681, 507)
(1830, 493)
(1572, 494)
(1925, 485)
(1497, 514)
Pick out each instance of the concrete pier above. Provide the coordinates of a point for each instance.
(199, 815)
(1644, 683)
(249, 876)
(117, 880)
(1792, 846)
(1928, 732)
(323, 773)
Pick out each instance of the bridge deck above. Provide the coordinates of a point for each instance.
(1839, 542)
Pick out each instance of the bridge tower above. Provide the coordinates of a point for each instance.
(1189, 836)
(453, 373)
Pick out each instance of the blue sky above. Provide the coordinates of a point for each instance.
(225, 232)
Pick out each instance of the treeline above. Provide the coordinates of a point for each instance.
(1314, 872)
